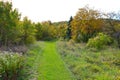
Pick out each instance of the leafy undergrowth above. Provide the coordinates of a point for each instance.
(90, 64)
(11, 66)
(14, 66)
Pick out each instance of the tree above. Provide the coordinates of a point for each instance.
(113, 28)
(68, 32)
(61, 31)
(86, 24)
(39, 31)
(9, 19)
(29, 31)
(46, 33)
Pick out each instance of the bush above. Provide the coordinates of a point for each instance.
(99, 41)
(30, 40)
(10, 66)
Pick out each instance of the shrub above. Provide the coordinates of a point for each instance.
(30, 40)
(99, 41)
(10, 66)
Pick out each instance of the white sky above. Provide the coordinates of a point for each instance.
(60, 10)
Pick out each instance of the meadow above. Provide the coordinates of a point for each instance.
(85, 47)
(90, 64)
(62, 60)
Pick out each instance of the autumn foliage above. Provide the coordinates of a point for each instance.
(85, 24)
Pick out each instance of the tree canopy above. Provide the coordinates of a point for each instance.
(85, 24)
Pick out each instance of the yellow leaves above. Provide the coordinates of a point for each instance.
(87, 21)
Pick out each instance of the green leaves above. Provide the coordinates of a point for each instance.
(10, 65)
(9, 19)
(99, 41)
(29, 31)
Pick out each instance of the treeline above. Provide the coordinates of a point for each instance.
(48, 31)
(86, 24)
(13, 31)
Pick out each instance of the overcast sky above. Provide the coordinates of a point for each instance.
(60, 10)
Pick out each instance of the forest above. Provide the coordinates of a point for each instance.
(86, 47)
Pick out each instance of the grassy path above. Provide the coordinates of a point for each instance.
(51, 66)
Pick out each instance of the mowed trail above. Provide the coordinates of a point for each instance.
(51, 65)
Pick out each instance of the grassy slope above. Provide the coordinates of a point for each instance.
(51, 65)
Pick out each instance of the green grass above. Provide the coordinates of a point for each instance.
(91, 64)
(51, 65)
(44, 63)
(75, 62)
